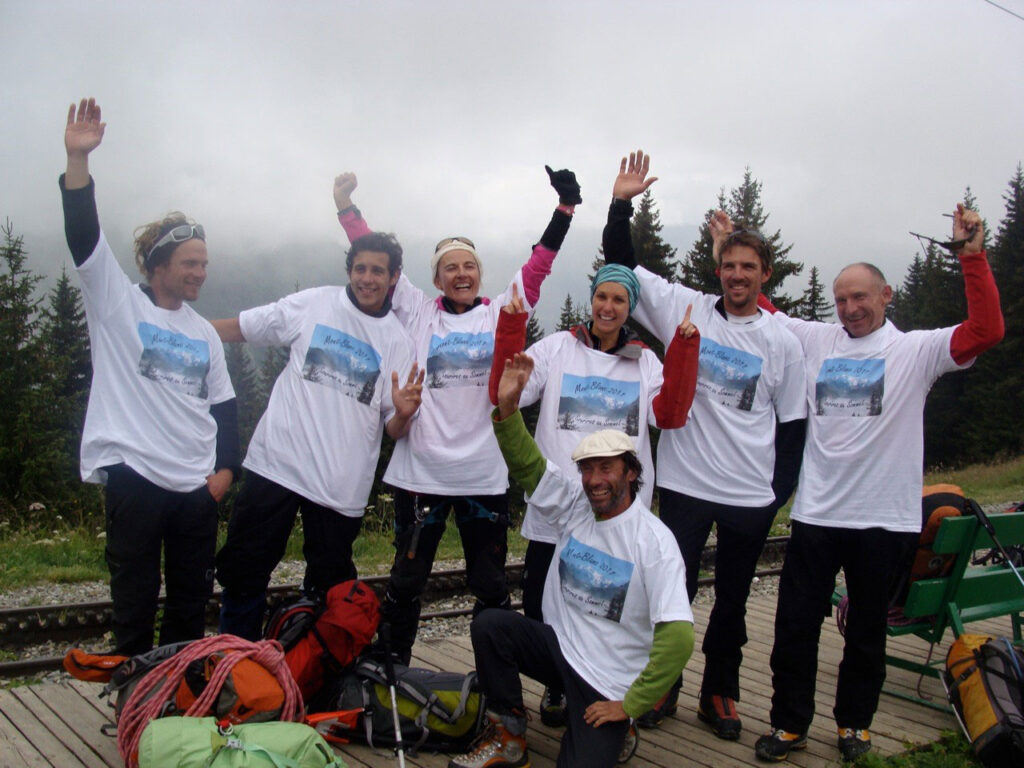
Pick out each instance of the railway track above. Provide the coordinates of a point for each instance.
(75, 622)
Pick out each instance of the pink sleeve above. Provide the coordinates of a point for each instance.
(354, 224)
(983, 327)
(535, 270)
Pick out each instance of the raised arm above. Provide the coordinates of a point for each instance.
(538, 266)
(983, 327)
(350, 217)
(509, 338)
(82, 134)
(682, 359)
(525, 462)
(616, 240)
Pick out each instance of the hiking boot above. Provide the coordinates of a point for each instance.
(720, 713)
(552, 709)
(665, 708)
(775, 746)
(495, 748)
(854, 742)
(629, 744)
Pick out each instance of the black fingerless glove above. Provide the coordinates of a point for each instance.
(565, 184)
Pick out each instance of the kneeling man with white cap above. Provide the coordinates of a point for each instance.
(618, 623)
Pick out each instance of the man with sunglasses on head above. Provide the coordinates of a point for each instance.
(315, 448)
(450, 461)
(858, 503)
(161, 426)
(736, 461)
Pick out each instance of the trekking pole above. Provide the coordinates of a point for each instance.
(990, 529)
(389, 675)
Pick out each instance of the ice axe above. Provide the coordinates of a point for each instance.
(979, 513)
(389, 676)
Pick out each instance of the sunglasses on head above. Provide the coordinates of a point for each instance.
(737, 233)
(178, 234)
(452, 240)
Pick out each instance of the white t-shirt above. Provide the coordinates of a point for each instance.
(864, 454)
(750, 378)
(450, 449)
(320, 435)
(156, 372)
(615, 579)
(583, 390)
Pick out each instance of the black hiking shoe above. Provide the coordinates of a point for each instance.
(854, 742)
(775, 747)
(552, 709)
(719, 712)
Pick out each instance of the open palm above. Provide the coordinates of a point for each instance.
(84, 130)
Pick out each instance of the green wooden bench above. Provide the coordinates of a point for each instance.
(968, 593)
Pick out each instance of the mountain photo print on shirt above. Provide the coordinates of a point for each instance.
(593, 581)
(460, 360)
(593, 403)
(850, 387)
(174, 360)
(728, 376)
(342, 362)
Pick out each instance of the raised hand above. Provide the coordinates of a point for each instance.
(967, 225)
(84, 130)
(565, 184)
(513, 380)
(515, 304)
(344, 185)
(686, 329)
(632, 179)
(408, 398)
(720, 226)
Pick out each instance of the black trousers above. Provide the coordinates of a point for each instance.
(506, 644)
(141, 519)
(258, 532)
(483, 526)
(741, 534)
(871, 558)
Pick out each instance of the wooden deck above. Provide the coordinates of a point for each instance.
(58, 724)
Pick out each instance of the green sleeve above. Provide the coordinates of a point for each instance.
(673, 644)
(523, 457)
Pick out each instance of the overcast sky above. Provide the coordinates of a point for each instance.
(862, 119)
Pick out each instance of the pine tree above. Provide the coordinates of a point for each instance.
(743, 204)
(570, 314)
(654, 254)
(248, 394)
(21, 370)
(814, 304)
(996, 386)
(64, 336)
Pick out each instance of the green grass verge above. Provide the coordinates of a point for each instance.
(69, 553)
(950, 751)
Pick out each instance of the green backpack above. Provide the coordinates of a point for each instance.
(441, 711)
(198, 742)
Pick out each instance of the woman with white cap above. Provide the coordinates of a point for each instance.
(450, 460)
(595, 376)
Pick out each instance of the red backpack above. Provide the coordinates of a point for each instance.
(325, 636)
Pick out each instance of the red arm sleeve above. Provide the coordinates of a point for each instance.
(983, 327)
(509, 338)
(765, 303)
(672, 404)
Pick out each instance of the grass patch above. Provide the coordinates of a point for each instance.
(986, 483)
(950, 751)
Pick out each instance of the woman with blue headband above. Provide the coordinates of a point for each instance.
(595, 376)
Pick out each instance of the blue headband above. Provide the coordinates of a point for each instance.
(616, 273)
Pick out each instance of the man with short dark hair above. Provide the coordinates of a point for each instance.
(858, 502)
(161, 429)
(736, 461)
(315, 448)
(617, 626)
